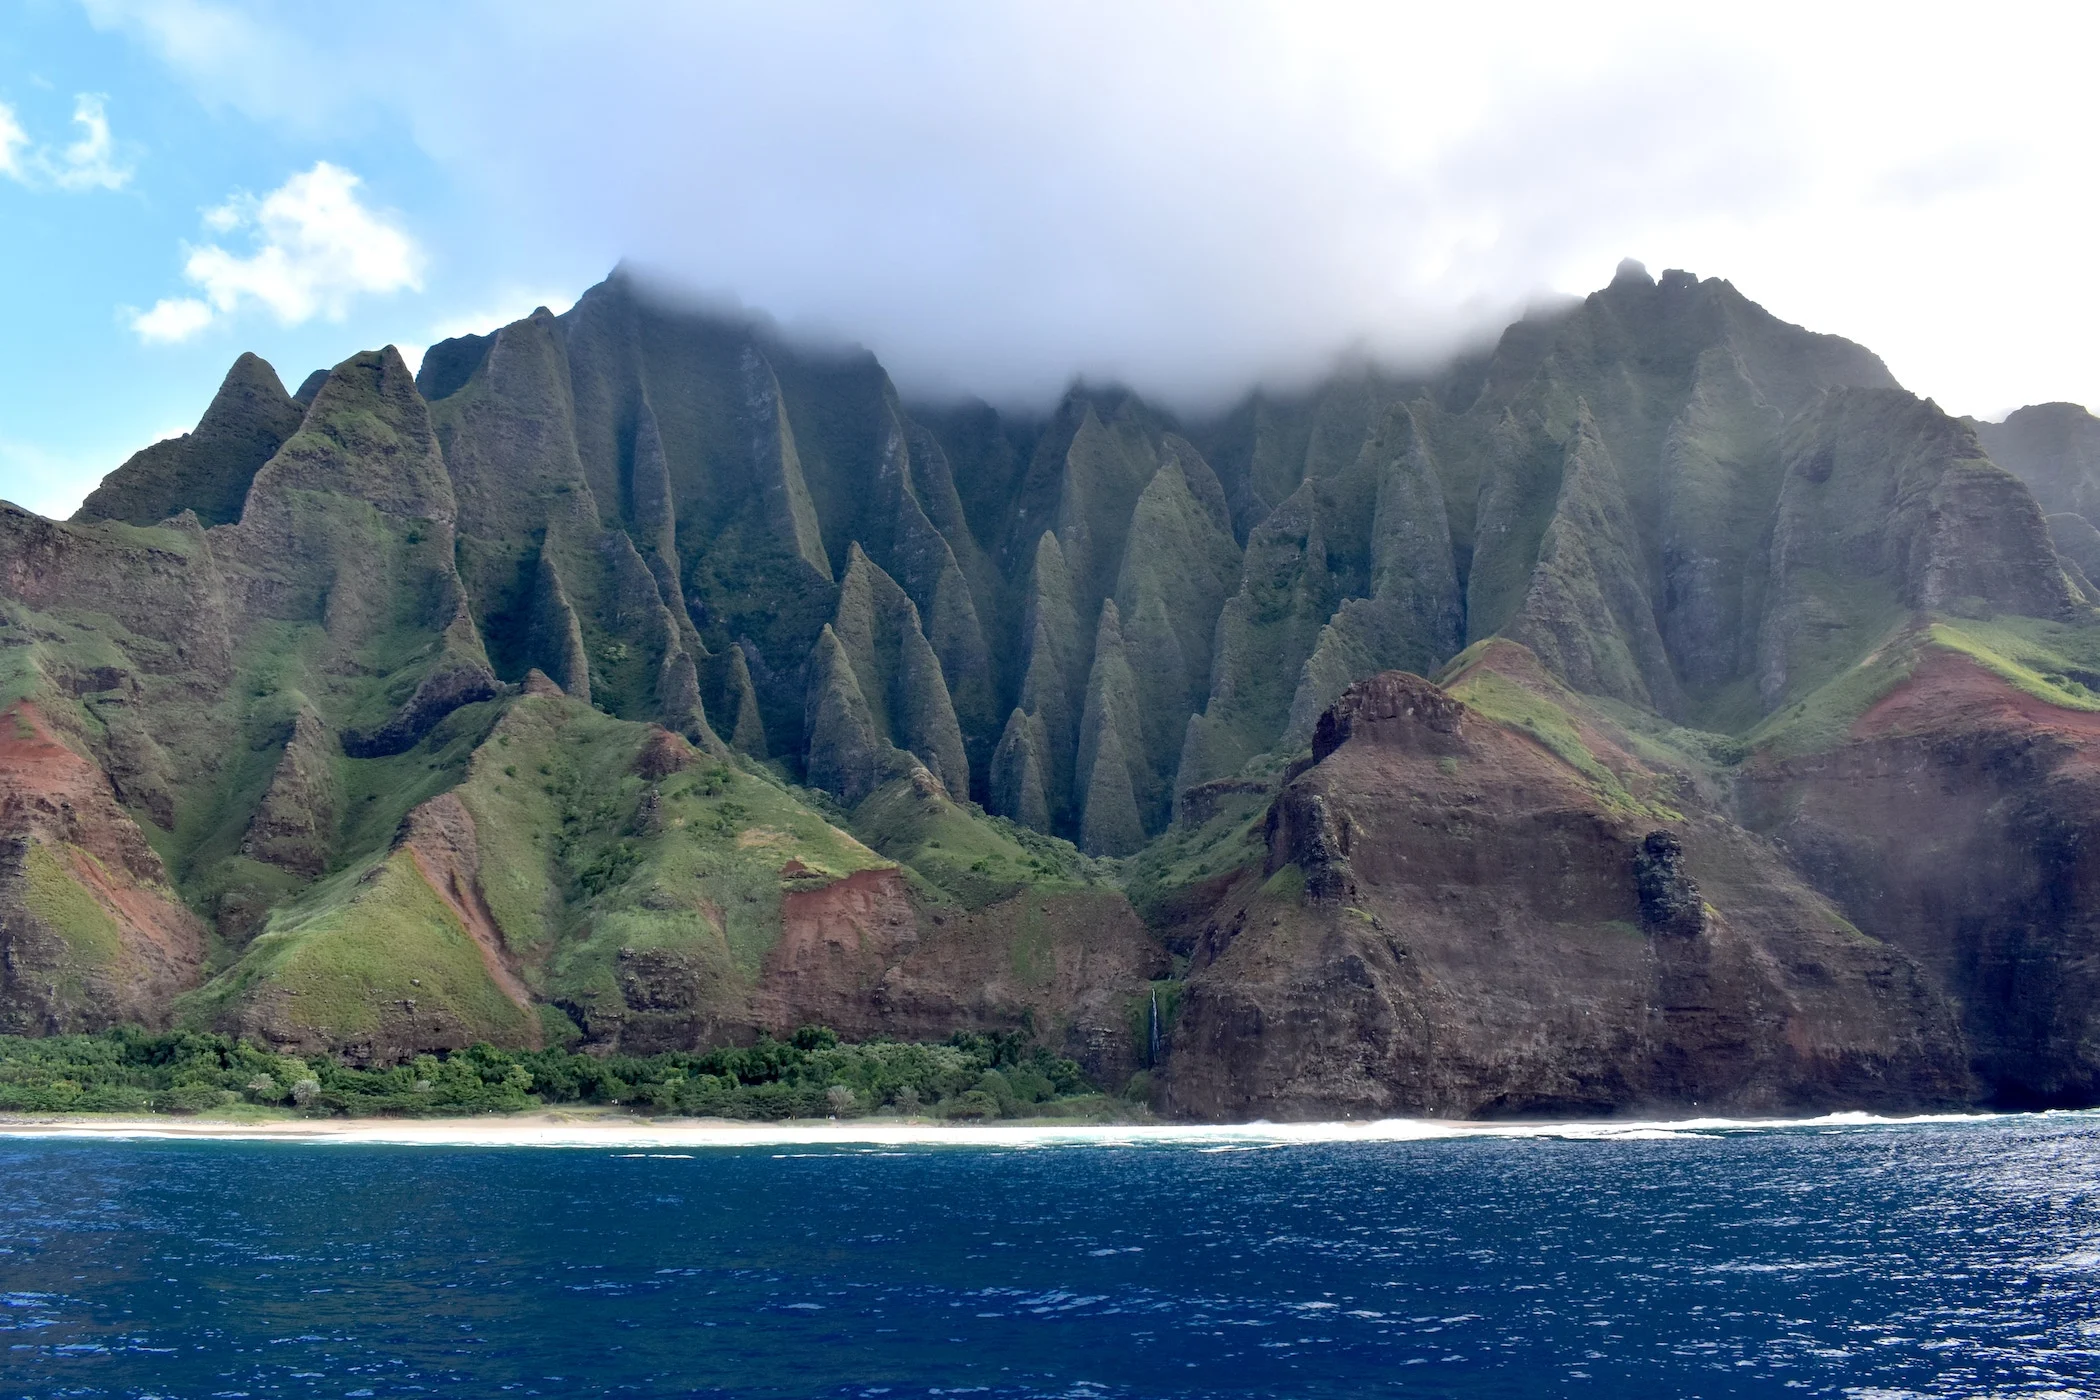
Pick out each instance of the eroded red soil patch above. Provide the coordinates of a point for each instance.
(1948, 690)
(34, 761)
(846, 915)
(53, 795)
(442, 844)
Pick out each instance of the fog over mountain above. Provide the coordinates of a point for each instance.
(1186, 198)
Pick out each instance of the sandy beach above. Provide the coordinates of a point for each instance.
(616, 1131)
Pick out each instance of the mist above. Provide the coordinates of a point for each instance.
(1194, 198)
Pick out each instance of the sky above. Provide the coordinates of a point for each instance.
(1188, 197)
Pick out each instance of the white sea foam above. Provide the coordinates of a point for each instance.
(633, 1136)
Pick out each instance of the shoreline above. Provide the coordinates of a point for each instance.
(571, 1129)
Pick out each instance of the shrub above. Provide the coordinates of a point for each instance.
(974, 1104)
(811, 1074)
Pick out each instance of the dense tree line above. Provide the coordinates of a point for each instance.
(812, 1074)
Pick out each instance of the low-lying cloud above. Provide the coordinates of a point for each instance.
(1191, 196)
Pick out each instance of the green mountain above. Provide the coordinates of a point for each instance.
(639, 679)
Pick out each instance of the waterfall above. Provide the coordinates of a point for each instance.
(1152, 1046)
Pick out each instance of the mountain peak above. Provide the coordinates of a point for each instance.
(207, 470)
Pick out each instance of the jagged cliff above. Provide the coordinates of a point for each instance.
(637, 678)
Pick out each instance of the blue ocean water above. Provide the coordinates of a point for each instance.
(1874, 1261)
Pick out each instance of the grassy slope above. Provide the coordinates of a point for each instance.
(1503, 683)
(1190, 853)
(360, 941)
(966, 857)
(581, 856)
(575, 864)
(94, 944)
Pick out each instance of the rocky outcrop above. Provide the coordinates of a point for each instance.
(1351, 574)
(1180, 564)
(441, 691)
(2077, 543)
(2055, 449)
(1669, 896)
(349, 527)
(294, 827)
(1019, 788)
(1890, 505)
(664, 753)
(1051, 695)
(1453, 920)
(1957, 821)
(918, 554)
(553, 635)
(1111, 812)
(1587, 614)
(166, 591)
(1412, 617)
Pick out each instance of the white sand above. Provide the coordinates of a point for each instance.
(607, 1130)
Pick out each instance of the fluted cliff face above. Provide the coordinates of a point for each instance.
(747, 691)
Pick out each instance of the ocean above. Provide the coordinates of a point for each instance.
(1853, 1258)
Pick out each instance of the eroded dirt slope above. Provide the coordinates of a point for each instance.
(1453, 919)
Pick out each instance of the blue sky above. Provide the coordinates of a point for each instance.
(80, 389)
(1189, 196)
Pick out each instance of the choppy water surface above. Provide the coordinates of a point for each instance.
(1933, 1259)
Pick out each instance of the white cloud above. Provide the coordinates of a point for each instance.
(90, 163)
(172, 319)
(12, 140)
(316, 248)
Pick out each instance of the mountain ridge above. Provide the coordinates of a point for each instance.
(784, 631)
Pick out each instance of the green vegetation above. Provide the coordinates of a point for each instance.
(1190, 853)
(1524, 709)
(1586, 614)
(1157, 1008)
(1819, 720)
(1287, 885)
(1702, 757)
(972, 858)
(2055, 662)
(362, 943)
(54, 896)
(582, 856)
(2048, 660)
(1839, 618)
(810, 1075)
(1090, 623)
